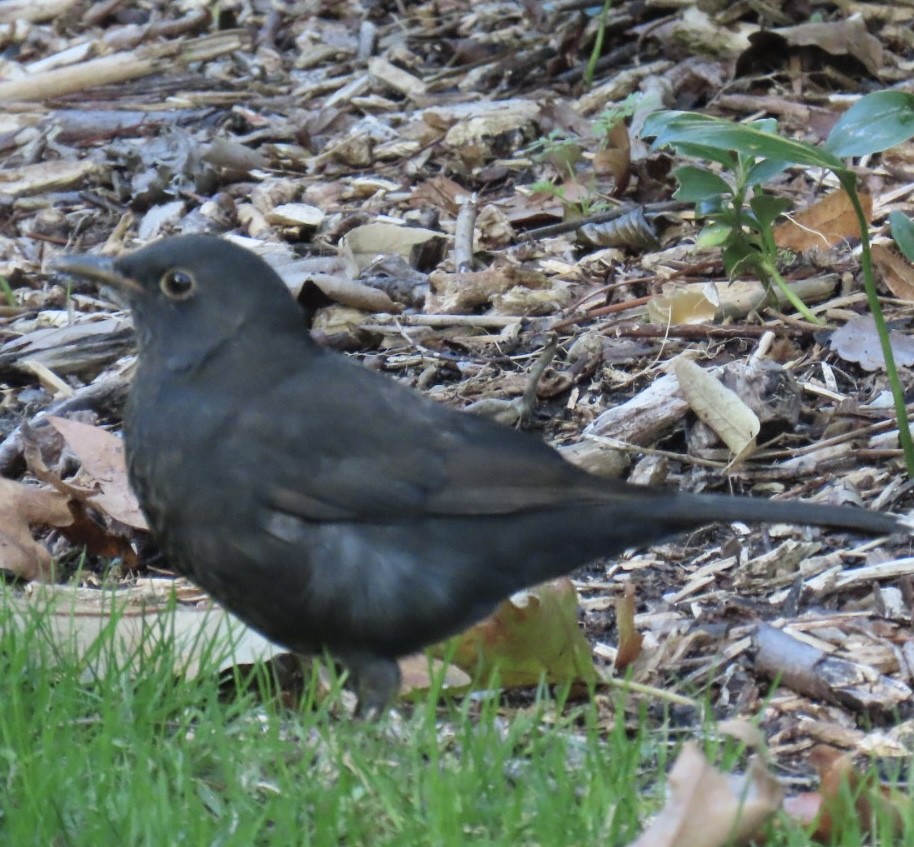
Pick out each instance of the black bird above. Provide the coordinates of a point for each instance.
(330, 507)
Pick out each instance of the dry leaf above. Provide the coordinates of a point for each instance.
(22, 506)
(857, 341)
(533, 634)
(847, 795)
(630, 640)
(849, 37)
(718, 407)
(418, 670)
(463, 293)
(362, 245)
(708, 808)
(682, 305)
(75, 619)
(740, 729)
(102, 458)
(616, 158)
(295, 215)
(897, 273)
(824, 224)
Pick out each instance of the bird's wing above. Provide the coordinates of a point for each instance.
(352, 445)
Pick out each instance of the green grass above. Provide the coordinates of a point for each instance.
(126, 754)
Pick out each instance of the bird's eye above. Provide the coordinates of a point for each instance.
(178, 284)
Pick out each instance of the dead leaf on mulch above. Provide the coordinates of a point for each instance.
(531, 636)
(419, 671)
(824, 224)
(720, 408)
(857, 341)
(709, 808)
(75, 619)
(362, 245)
(102, 456)
(847, 797)
(897, 273)
(630, 640)
(683, 304)
(21, 507)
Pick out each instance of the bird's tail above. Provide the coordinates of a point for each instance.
(694, 509)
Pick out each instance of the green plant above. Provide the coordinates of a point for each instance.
(597, 49)
(903, 232)
(585, 205)
(610, 117)
(753, 154)
(740, 214)
(7, 291)
(562, 151)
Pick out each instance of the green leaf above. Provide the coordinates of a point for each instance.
(874, 123)
(680, 128)
(764, 171)
(715, 207)
(769, 125)
(713, 235)
(739, 256)
(903, 232)
(656, 124)
(697, 184)
(767, 208)
(711, 154)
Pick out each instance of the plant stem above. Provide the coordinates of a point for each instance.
(848, 182)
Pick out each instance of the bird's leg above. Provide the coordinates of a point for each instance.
(376, 680)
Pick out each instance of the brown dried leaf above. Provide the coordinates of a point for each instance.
(682, 305)
(849, 37)
(441, 192)
(828, 222)
(897, 274)
(463, 293)
(846, 795)
(22, 506)
(102, 458)
(362, 245)
(616, 158)
(75, 619)
(708, 808)
(533, 634)
(418, 671)
(720, 408)
(630, 640)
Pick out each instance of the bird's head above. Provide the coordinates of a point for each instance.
(192, 294)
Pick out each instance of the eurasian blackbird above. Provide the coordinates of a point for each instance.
(332, 508)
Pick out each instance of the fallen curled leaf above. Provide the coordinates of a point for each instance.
(102, 457)
(824, 224)
(839, 38)
(418, 671)
(709, 808)
(630, 640)
(363, 244)
(848, 797)
(132, 626)
(464, 292)
(615, 158)
(720, 408)
(532, 635)
(742, 730)
(682, 305)
(858, 341)
(897, 274)
(21, 507)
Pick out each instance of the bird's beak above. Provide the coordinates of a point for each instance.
(99, 269)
